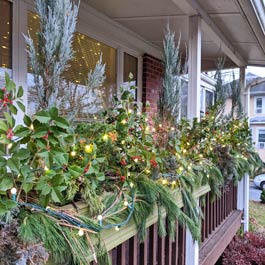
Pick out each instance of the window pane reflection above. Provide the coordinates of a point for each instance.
(87, 52)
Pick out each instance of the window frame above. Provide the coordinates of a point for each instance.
(262, 106)
(258, 133)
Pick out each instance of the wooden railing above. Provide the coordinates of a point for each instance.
(216, 210)
(221, 222)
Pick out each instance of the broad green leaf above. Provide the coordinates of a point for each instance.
(12, 108)
(2, 161)
(9, 119)
(20, 92)
(43, 116)
(61, 122)
(21, 106)
(13, 164)
(22, 154)
(6, 184)
(3, 126)
(53, 112)
(75, 171)
(22, 131)
(27, 120)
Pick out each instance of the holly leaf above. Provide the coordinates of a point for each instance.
(75, 171)
(43, 116)
(20, 92)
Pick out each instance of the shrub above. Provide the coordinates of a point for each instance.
(247, 250)
(262, 196)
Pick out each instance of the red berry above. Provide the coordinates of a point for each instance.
(122, 178)
(123, 162)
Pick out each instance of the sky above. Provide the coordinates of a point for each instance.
(260, 71)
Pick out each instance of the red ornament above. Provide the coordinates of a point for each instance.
(46, 136)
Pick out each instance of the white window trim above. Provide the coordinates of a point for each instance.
(263, 105)
(257, 137)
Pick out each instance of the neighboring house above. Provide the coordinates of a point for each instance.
(129, 34)
(256, 110)
(257, 117)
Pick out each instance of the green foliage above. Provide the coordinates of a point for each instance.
(169, 100)
(262, 196)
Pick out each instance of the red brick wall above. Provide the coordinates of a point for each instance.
(152, 82)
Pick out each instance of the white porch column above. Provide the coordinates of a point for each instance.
(194, 88)
(243, 185)
(194, 70)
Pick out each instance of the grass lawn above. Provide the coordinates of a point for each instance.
(257, 216)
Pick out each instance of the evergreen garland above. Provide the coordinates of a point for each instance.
(237, 109)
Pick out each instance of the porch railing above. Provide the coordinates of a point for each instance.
(221, 222)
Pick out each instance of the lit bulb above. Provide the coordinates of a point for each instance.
(146, 128)
(13, 191)
(184, 151)
(172, 129)
(129, 111)
(105, 137)
(153, 129)
(131, 184)
(46, 168)
(189, 167)
(200, 155)
(122, 142)
(136, 160)
(123, 122)
(148, 171)
(181, 168)
(100, 217)
(146, 120)
(126, 203)
(208, 175)
(9, 146)
(80, 232)
(89, 148)
(117, 228)
(31, 127)
(160, 125)
(73, 153)
(164, 181)
(174, 182)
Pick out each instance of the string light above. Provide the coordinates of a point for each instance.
(100, 218)
(117, 228)
(31, 127)
(164, 181)
(73, 153)
(46, 169)
(80, 232)
(13, 193)
(131, 184)
(136, 160)
(9, 146)
(160, 125)
(184, 151)
(105, 137)
(129, 111)
(126, 203)
(89, 148)
(200, 155)
(153, 129)
(122, 142)
(123, 122)
(174, 183)
(172, 129)
(147, 171)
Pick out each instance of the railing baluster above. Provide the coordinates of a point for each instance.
(175, 247)
(153, 245)
(133, 250)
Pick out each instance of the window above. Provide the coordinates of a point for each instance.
(5, 39)
(261, 138)
(130, 66)
(259, 105)
(208, 99)
(87, 52)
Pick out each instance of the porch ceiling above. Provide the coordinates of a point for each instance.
(236, 19)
